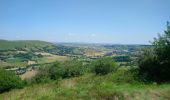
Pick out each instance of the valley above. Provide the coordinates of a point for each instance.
(68, 71)
(29, 55)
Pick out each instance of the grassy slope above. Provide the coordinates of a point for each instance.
(28, 45)
(4, 44)
(90, 87)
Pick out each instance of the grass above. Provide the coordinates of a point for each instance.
(31, 44)
(50, 58)
(91, 87)
(12, 64)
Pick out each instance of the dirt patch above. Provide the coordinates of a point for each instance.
(43, 53)
(31, 62)
(28, 74)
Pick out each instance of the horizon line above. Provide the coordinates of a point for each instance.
(65, 42)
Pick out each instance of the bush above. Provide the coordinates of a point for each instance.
(125, 76)
(104, 66)
(71, 69)
(65, 70)
(9, 80)
(154, 63)
(41, 78)
(56, 71)
(59, 71)
(43, 75)
(148, 64)
(151, 69)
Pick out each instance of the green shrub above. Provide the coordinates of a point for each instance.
(56, 71)
(43, 75)
(104, 66)
(59, 71)
(72, 69)
(148, 65)
(125, 76)
(41, 78)
(9, 80)
(66, 69)
(154, 64)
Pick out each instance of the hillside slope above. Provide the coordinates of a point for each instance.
(30, 44)
(90, 87)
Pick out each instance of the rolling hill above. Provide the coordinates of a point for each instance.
(30, 44)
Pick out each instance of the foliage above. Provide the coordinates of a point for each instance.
(122, 58)
(92, 87)
(43, 75)
(66, 69)
(59, 70)
(125, 76)
(154, 63)
(41, 78)
(25, 56)
(9, 80)
(162, 45)
(56, 71)
(148, 65)
(73, 68)
(104, 66)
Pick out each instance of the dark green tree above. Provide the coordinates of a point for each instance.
(162, 45)
(154, 63)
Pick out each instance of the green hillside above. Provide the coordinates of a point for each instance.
(90, 87)
(30, 44)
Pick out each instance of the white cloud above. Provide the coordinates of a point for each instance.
(81, 35)
(72, 34)
(93, 35)
(17, 37)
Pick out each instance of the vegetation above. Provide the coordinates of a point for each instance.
(23, 44)
(59, 70)
(154, 63)
(99, 72)
(9, 80)
(119, 86)
(122, 58)
(104, 66)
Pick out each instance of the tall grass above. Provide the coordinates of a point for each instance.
(92, 87)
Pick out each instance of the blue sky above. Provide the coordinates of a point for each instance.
(92, 21)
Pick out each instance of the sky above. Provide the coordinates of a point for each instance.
(87, 21)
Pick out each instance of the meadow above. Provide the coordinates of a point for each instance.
(90, 86)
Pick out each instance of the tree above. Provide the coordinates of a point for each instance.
(162, 46)
(154, 63)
